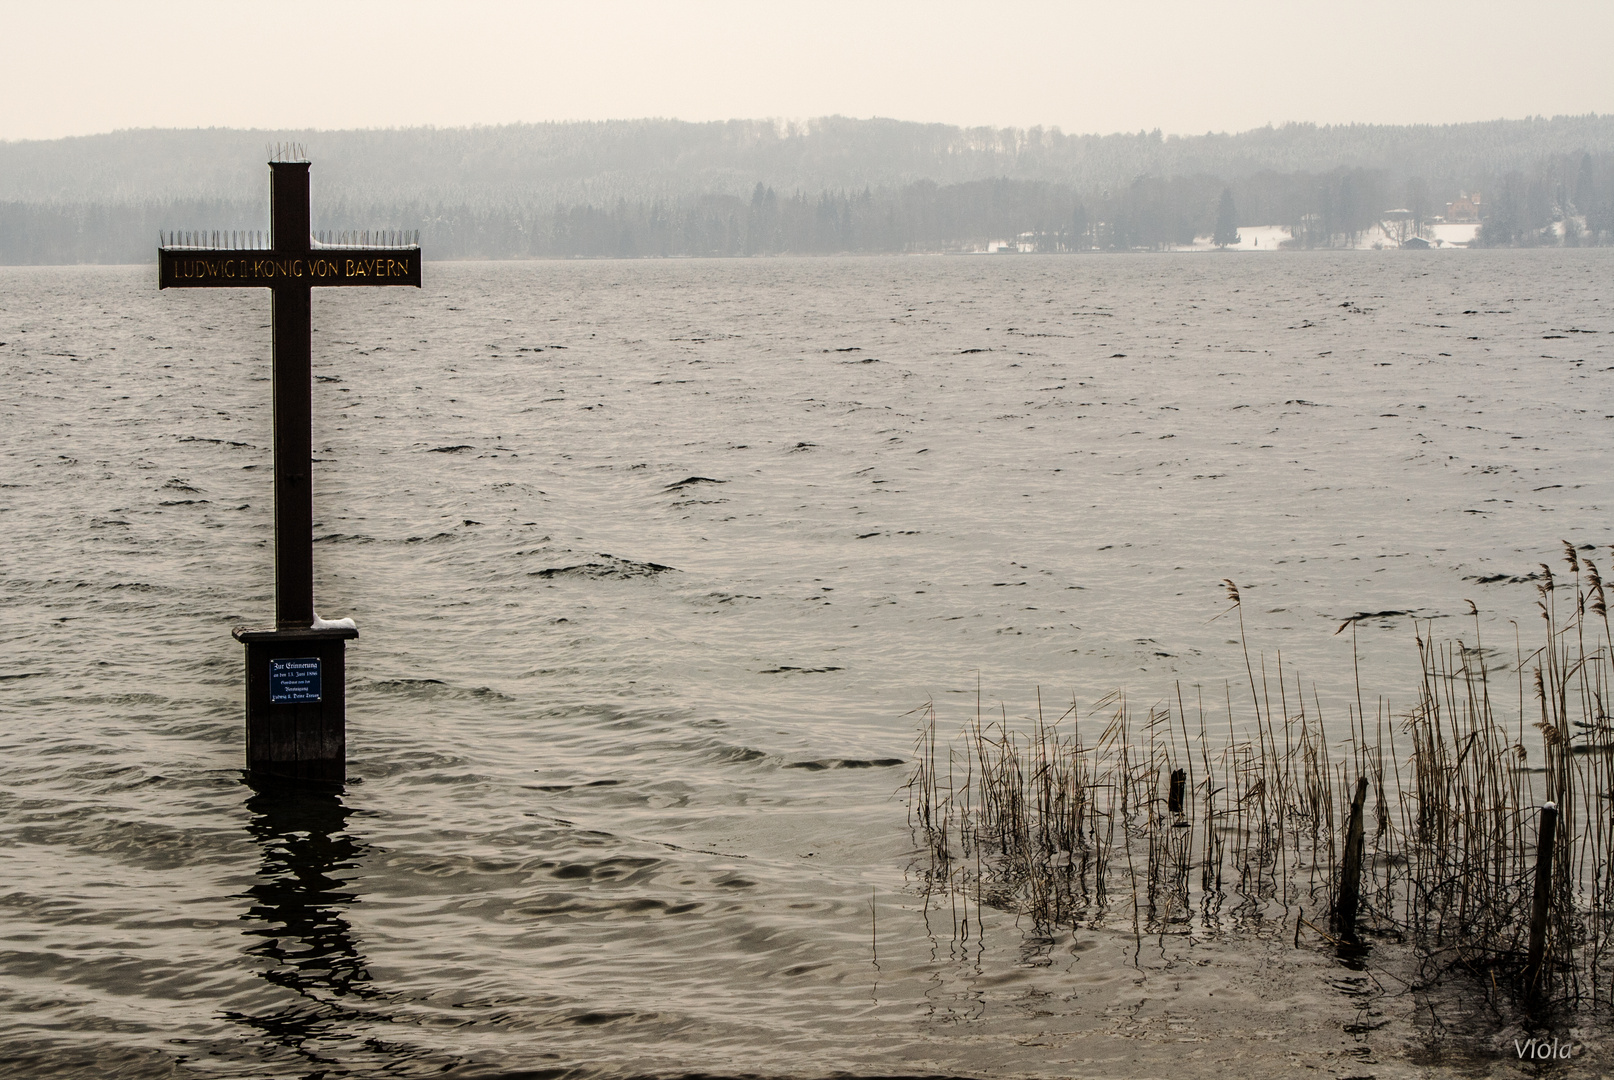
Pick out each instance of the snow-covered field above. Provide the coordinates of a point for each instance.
(1455, 232)
(1272, 237)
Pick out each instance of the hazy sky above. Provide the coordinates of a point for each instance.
(76, 68)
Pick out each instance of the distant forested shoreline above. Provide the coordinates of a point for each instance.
(663, 188)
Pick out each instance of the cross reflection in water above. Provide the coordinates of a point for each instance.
(297, 926)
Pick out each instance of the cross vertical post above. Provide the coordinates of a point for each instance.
(292, 379)
(296, 698)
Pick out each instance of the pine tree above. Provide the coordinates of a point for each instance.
(1227, 227)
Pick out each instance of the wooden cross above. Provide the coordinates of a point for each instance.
(295, 693)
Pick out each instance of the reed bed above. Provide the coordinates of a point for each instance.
(1190, 816)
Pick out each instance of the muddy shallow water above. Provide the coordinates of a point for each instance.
(651, 562)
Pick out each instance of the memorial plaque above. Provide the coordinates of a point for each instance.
(293, 680)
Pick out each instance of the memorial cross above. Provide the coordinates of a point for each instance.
(295, 693)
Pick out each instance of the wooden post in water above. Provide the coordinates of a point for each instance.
(1350, 877)
(1179, 788)
(1545, 836)
(295, 678)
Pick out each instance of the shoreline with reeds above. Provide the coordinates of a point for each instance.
(1216, 809)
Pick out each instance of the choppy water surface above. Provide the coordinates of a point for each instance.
(650, 560)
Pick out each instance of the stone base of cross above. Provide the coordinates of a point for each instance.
(296, 694)
(297, 701)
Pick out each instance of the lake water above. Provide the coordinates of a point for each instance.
(652, 562)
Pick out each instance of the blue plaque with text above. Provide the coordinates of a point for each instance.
(294, 680)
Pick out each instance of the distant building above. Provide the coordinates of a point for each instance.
(1398, 225)
(1465, 209)
(1417, 242)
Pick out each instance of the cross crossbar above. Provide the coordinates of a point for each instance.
(245, 268)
